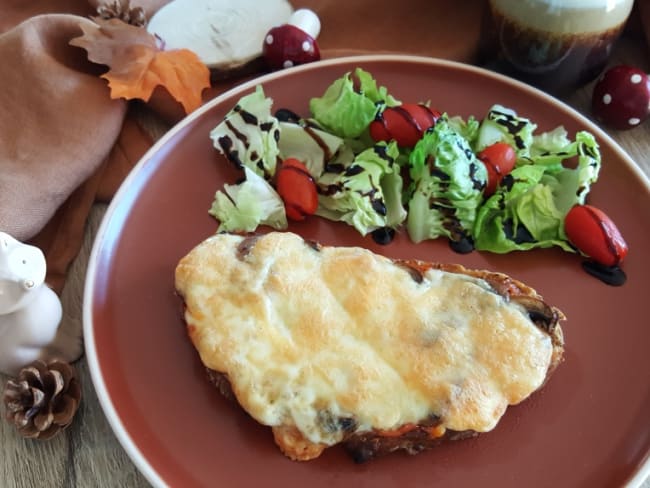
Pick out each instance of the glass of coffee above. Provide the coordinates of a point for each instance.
(556, 45)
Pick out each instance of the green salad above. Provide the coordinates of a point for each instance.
(435, 188)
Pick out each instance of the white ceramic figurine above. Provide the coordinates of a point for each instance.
(30, 312)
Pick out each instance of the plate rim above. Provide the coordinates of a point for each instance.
(94, 366)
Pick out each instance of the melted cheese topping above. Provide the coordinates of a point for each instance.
(310, 337)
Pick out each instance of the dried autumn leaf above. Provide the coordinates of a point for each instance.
(137, 65)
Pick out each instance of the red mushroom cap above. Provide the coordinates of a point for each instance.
(621, 97)
(287, 46)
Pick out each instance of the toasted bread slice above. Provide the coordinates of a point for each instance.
(330, 345)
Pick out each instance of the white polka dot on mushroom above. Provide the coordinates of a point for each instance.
(633, 121)
(635, 78)
(269, 39)
(287, 64)
(607, 99)
(306, 46)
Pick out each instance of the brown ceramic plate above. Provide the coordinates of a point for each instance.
(588, 427)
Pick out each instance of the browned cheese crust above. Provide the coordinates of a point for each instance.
(425, 433)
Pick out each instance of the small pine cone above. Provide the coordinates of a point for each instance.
(121, 9)
(43, 399)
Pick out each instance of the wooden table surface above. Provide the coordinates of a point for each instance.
(87, 454)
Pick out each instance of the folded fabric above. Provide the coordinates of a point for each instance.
(16, 11)
(58, 121)
(63, 235)
(65, 143)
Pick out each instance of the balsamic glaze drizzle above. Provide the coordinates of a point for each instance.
(610, 275)
(464, 245)
(383, 235)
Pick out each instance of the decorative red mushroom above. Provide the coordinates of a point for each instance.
(293, 43)
(621, 97)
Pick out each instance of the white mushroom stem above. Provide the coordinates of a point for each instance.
(306, 20)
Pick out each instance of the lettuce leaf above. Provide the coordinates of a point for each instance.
(528, 209)
(447, 184)
(467, 129)
(312, 146)
(245, 206)
(248, 135)
(549, 142)
(521, 215)
(364, 190)
(346, 110)
(502, 124)
(572, 185)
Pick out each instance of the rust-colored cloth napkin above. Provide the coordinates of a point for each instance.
(63, 140)
(58, 121)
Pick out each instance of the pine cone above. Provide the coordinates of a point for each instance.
(43, 399)
(121, 9)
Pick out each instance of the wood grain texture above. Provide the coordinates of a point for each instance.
(87, 454)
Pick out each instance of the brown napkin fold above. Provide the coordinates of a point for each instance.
(16, 11)
(58, 121)
(64, 143)
(61, 238)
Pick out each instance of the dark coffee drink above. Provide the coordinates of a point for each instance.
(556, 45)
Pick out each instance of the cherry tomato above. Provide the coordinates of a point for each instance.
(297, 189)
(499, 159)
(595, 235)
(404, 123)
